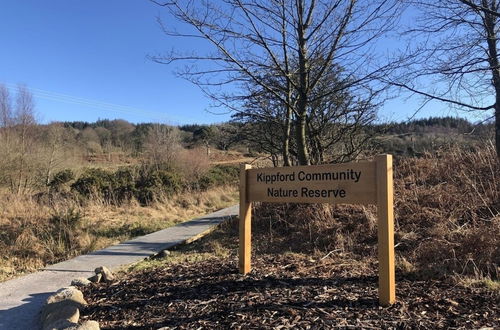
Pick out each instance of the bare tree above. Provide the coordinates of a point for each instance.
(24, 121)
(456, 59)
(335, 123)
(5, 107)
(6, 146)
(254, 39)
(162, 145)
(55, 147)
(19, 160)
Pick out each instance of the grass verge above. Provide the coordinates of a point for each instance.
(34, 234)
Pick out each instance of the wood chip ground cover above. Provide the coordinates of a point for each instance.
(283, 291)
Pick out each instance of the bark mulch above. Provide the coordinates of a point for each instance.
(282, 292)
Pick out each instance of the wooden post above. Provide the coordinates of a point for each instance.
(385, 210)
(245, 249)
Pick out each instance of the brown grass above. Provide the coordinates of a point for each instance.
(33, 234)
(447, 219)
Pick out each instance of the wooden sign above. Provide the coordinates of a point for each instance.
(346, 183)
(350, 183)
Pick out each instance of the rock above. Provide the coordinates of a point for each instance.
(87, 325)
(80, 282)
(59, 324)
(96, 278)
(69, 313)
(54, 307)
(66, 297)
(69, 293)
(164, 253)
(107, 275)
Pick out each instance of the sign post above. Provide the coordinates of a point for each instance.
(385, 212)
(245, 223)
(350, 183)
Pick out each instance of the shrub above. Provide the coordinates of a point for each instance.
(192, 163)
(219, 175)
(146, 184)
(60, 179)
(124, 184)
(94, 181)
(152, 184)
(112, 187)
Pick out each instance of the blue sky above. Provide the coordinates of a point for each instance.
(86, 60)
(94, 50)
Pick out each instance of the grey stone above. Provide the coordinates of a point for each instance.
(69, 293)
(69, 312)
(59, 325)
(54, 307)
(87, 325)
(164, 253)
(80, 282)
(96, 278)
(63, 298)
(107, 275)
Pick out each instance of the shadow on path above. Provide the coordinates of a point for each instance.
(24, 316)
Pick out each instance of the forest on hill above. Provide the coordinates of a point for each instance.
(44, 149)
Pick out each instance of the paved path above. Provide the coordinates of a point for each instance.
(22, 298)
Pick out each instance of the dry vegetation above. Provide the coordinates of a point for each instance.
(315, 265)
(33, 234)
(70, 188)
(447, 218)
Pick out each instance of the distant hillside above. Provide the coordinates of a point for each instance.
(422, 133)
(428, 135)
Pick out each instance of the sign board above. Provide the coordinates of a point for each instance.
(347, 183)
(350, 183)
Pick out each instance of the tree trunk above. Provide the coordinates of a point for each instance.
(497, 126)
(490, 25)
(286, 140)
(49, 166)
(301, 136)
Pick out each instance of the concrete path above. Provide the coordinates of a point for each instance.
(22, 298)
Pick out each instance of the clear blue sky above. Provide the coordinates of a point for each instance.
(86, 60)
(94, 50)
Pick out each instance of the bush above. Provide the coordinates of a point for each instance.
(146, 185)
(94, 181)
(61, 234)
(152, 184)
(60, 179)
(112, 187)
(192, 163)
(124, 184)
(219, 175)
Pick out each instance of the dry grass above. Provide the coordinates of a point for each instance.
(33, 234)
(447, 219)
(447, 222)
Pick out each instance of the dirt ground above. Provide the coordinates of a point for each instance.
(283, 291)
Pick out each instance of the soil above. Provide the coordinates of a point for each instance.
(281, 292)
